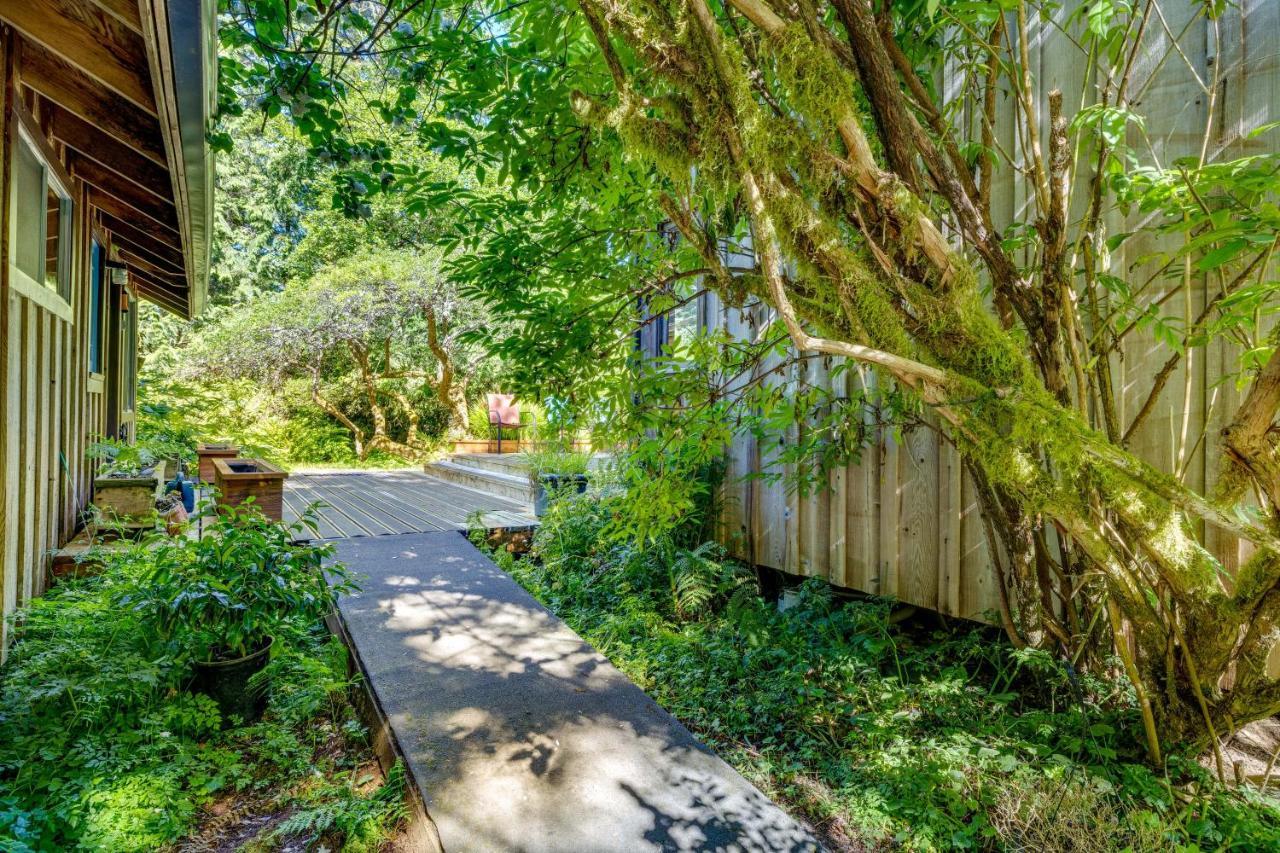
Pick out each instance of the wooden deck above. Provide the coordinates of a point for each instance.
(377, 503)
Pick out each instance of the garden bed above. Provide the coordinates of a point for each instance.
(881, 735)
(103, 744)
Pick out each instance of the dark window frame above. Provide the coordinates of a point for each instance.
(97, 304)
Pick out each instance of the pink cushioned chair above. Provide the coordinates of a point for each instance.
(504, 413)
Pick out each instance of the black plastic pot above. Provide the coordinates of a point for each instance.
(548, 483)
(227, 683)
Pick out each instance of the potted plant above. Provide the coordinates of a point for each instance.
(128, 481)
(223, 600)
(554, 471)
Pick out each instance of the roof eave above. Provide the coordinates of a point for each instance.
(185, 67)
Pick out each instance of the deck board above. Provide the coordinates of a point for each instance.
(380, 503)
(447, 504)
(414, 509)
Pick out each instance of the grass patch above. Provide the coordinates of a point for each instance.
(880, 736)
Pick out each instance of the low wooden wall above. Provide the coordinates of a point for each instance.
(902, 523)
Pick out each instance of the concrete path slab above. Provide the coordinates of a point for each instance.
(519, 735)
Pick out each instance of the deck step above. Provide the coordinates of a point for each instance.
(503, 463)
(514, 486)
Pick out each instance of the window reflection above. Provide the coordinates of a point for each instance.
(52, 238)
(41, 227)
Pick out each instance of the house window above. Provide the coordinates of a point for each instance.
(97, 293)
(682, 322)
(41, 222)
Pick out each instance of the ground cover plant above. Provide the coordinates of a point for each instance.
(103, 747)
(881, 736)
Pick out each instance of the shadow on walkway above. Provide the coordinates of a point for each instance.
(519, 735)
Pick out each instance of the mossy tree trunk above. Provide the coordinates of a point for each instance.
(812, 122)
(451, 390)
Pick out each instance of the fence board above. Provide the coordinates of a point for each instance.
(905, 522)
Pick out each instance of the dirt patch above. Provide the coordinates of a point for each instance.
(231, 823)
(247, 819)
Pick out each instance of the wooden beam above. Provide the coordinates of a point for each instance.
(168, 303)
(158, 293)
(162, 242)
(61, 82)
(81, 165)
(96, 42)
(149, 252)
(76, 133)
(126, 11)
(140, 277)
(144, 272)
(159, 274)
(95, 174)
(107, 203)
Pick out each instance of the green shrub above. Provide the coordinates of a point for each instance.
(161, 424)
(880, 735)
(309, 437)
(551, 461)
(82, 706)
(103, 748)
(222, 596)
(478, 419)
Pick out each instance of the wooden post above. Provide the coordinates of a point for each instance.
(8, 565)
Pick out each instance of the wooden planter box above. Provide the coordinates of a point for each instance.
(129, 500)
(206, 453)
(83, 555)
(240, 479)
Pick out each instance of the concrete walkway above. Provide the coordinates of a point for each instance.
(519, 735)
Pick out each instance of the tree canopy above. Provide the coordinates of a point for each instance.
(622, 147)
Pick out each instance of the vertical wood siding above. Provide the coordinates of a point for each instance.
(905, 521)
(48, 416)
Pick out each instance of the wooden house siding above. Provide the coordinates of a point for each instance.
(50, 413)
(905, 522)
(78, 94)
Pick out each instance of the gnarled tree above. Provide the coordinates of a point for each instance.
(820, 135)
(874, 238)
(386, 324)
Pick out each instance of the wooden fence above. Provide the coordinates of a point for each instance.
(905, 522)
